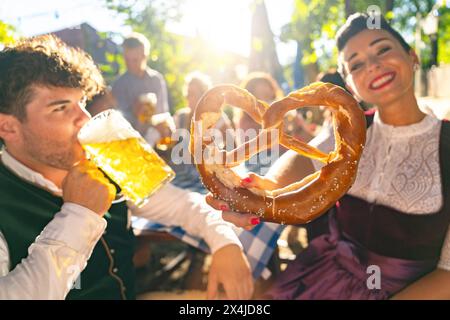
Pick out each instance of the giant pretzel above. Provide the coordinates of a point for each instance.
(299, 202)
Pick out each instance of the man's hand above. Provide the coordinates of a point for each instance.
(143, 111)
(164, 129)
(164, 123)
(86, 185)
(230, 268)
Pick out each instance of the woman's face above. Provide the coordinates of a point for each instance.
(262, 90)
(378, 70)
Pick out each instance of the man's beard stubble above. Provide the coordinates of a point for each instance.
(55, 154)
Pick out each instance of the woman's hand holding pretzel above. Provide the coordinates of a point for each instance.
(243, 220)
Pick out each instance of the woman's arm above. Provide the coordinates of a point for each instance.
(290, 168)
(433, 286)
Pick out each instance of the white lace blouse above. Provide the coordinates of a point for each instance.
(399, 168)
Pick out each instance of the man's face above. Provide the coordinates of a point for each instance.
(135, 59)
(48, 136)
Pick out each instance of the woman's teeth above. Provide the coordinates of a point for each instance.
(382, 81)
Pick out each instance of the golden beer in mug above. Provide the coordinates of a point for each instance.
(164, 143)
(119, 150)
(147, 103)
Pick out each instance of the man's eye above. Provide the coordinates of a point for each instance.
(60, 108)
(383, 50)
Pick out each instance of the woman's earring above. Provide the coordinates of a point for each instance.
(416, 66)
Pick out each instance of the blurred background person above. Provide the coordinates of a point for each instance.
(265, 88)
(195, 86)
(187, 177)
(131, 88)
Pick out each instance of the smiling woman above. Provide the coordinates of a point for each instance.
(396, 215)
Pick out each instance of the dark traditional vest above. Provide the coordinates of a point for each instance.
(26, 209)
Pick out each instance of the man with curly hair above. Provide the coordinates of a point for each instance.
(57, 219)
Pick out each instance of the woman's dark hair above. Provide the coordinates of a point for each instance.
(332, 76)
(357, 23)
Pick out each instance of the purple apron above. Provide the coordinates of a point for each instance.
(336, 267)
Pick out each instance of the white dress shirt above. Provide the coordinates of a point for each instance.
(399, 168)
(63, 248)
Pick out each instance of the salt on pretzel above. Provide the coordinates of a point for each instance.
(299, 202)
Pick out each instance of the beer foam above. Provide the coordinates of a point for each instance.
(107, 126)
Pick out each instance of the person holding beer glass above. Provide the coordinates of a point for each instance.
(196, 84)
(57, 217)
(157, 128)
(141, 92)
(187, 177)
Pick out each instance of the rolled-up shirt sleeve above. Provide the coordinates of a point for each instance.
(325, 142)
(173, 206)
(55, 259)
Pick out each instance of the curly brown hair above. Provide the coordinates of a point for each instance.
(43, 61)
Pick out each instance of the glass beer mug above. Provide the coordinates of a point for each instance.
(164, 143)
(147, 103)
(121, 152)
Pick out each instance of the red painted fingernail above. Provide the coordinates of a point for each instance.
(246, 180)
(223, 207)
(255, 221)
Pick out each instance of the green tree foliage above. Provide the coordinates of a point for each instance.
(114, 63)
(6, 34)
(314, 24)
(444, 36)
